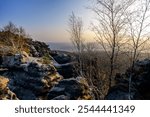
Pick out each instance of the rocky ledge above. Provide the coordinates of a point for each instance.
(31, 79)
(71, 89)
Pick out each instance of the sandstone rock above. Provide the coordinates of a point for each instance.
(38, 49)
(65, 63)
(5, 93)
(11, 61)
(71, 89)
(29, 79)
(140, 85)
(14, 61)
(121, 92)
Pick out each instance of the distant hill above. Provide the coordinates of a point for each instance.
(60, 46)
(66, 46)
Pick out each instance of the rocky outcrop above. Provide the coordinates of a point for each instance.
(29, 78)
(5, 93)
(66, 63)
(38, 49)
(140, 83)
(71, 89)
(33, 75)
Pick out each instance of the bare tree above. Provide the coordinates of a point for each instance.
(11, 29)
(112, 28)
(139, 33)
(76, 31)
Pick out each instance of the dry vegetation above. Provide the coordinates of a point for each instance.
(13, 40)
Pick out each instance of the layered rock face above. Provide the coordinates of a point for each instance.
(140, 83)
(66, 63)
(38, 49)
(31, 79)
(5, 93)
(33, 75)
(71, 89)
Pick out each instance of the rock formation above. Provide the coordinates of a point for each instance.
(38, 49)
(140, 85)
(72, 89)
(30, 78)
(27, 70)
(66, 63)
(5, 93)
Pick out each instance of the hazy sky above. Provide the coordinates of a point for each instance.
(45, 20)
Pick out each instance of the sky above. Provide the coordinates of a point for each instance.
(45, 20)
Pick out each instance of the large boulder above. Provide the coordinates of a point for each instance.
(65, 63)
(72, 89)
(38, 49)
(14, 61)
